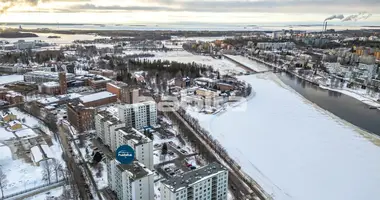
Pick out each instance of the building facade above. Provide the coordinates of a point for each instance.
(52, 88)
(45, 76)
(133, 181)
(106, 125)
(141, 144)
(206, 183)
(129, 95)
(81, 117)
(62, 82)
(138, 115)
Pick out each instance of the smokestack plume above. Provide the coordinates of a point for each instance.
(326, 26)
(340, 16)
(356, 17)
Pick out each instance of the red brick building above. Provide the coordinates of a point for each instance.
(80, 116)
(98, 99)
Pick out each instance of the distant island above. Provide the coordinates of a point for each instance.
(54, 36)
(15, 34)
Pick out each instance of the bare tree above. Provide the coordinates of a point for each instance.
(3, 182)
(47, 171)
(57, 168)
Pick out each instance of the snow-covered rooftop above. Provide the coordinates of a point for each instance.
(51, 84)
(96, 96)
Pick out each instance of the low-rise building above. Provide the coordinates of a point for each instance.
(15, 125)
(80, 116)
(11, 97)
(132, 181)
(52, 88)
(208, 182)
(45, 76)
(98, 99)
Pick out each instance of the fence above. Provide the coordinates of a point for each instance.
(33, 188)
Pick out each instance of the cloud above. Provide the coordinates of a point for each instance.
(92, 7)
(7, 4)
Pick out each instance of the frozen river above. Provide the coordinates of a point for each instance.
(296, 150)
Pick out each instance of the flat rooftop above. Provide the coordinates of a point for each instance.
(137, 169)
(191, 177)
(96, 96)
(133, 134)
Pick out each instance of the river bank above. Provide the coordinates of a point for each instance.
(360, 96)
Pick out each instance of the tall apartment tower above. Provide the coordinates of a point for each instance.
(138, 115)
(208, 182)
(133, 181)
(62, 82)
(129, 95)
(141, 144)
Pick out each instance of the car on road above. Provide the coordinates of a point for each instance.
(193, 167)
(178, 147)
(171, 142)
(171, 173)
(171, 153)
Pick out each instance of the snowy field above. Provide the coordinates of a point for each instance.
(223, 65)
(22, 175)
(53, 193)
(258, 67)
(10, 79)
(294, 149)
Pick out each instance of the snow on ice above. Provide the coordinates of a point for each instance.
(294, 149)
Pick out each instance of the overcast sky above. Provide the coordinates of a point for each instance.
(174, 11)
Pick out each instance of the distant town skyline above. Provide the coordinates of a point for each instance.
(175, 11)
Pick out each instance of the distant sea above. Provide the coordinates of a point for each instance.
(187, 27)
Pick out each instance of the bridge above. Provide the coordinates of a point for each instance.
(244, 66)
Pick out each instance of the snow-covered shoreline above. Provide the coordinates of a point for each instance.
(293, 148)
(359, 97)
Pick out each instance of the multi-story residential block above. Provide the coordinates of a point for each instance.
(142, 145)
(133, 181)
(81, 117)
(138, 115)
(45, 76)
(208, 182)
(106, 125)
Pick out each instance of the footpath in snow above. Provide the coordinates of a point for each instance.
(294, 149)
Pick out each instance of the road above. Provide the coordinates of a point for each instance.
(240, 189)
(85, 166)
(76, 175)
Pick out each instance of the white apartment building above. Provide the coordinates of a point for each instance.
(276, 45)
(106, 125)
(130, 182)
(138, 115)
(142, 145)
(205, 183)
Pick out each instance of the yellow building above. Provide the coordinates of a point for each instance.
(205, 93)
(15, 125)
(8, 117)
(377, 55)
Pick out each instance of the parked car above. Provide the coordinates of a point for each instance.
(189, 165)
(183, 151)
(193, 167)
(171, 153)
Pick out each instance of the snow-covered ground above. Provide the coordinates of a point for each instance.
(53, 193)
(10, 79)
(29, 119)
(224, 66)
(294, 149)
(258, 67)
